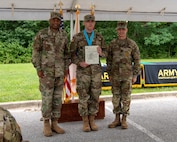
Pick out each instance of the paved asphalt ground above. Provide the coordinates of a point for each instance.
(153, 118)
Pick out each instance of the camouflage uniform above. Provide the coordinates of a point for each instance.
(9, 128)
(122, 55)
(50, 55)
(89, 78)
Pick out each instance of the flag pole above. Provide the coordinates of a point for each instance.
(73, 66)
(71, 26)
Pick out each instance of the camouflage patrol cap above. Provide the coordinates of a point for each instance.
(89, 18)
(54, 15)
(121, 25)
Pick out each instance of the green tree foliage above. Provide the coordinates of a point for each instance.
(159, 39)
(16, 39)
(107, 29)
(155, 39)
(13, 52)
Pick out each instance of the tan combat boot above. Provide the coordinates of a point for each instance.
(86, 126)
(47, 128)
(55, 127)
(116, 122)
(92, 123)
(124, 122)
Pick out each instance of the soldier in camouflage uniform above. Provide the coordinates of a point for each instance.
(9, 129)
(123, 67)
(50, 58)
(88, 75)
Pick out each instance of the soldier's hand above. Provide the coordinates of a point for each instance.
(110, 78)
(40, 74)
(134, 80)
(83, 64)
(99, 50)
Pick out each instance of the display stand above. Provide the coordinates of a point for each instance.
(69, 111)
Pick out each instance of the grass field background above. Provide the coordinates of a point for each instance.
(19, 82)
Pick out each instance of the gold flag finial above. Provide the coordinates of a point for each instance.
(60, 5)
(55, 7)
(77, 6)
(92, 7)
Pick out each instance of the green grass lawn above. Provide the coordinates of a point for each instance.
(19, 82)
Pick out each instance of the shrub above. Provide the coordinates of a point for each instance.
(14, 53)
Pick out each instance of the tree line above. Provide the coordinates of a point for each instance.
(155, 39)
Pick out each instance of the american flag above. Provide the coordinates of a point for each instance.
(67, 84)
(67, 87)
(61, 22)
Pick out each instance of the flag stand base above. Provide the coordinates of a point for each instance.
(69, 111)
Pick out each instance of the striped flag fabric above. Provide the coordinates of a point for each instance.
(61, 22)
(67, 88)
(77, 23)
(72, 72)
(67, 84)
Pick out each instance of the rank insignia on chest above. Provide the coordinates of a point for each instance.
(126, 54)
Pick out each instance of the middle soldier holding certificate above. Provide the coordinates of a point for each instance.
(88, 73)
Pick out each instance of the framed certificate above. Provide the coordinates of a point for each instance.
(91, 55)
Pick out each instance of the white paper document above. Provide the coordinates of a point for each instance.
(91, 55)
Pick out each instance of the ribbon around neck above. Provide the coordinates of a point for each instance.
(89, 41)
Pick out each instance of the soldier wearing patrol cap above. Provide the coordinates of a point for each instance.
(55, 15)
(50, 57)
(89, 18)
(121, 25)
(123, 67)
(88, 75)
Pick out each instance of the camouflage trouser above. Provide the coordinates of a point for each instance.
(89, 90)
(51, 90)
(121, 99)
